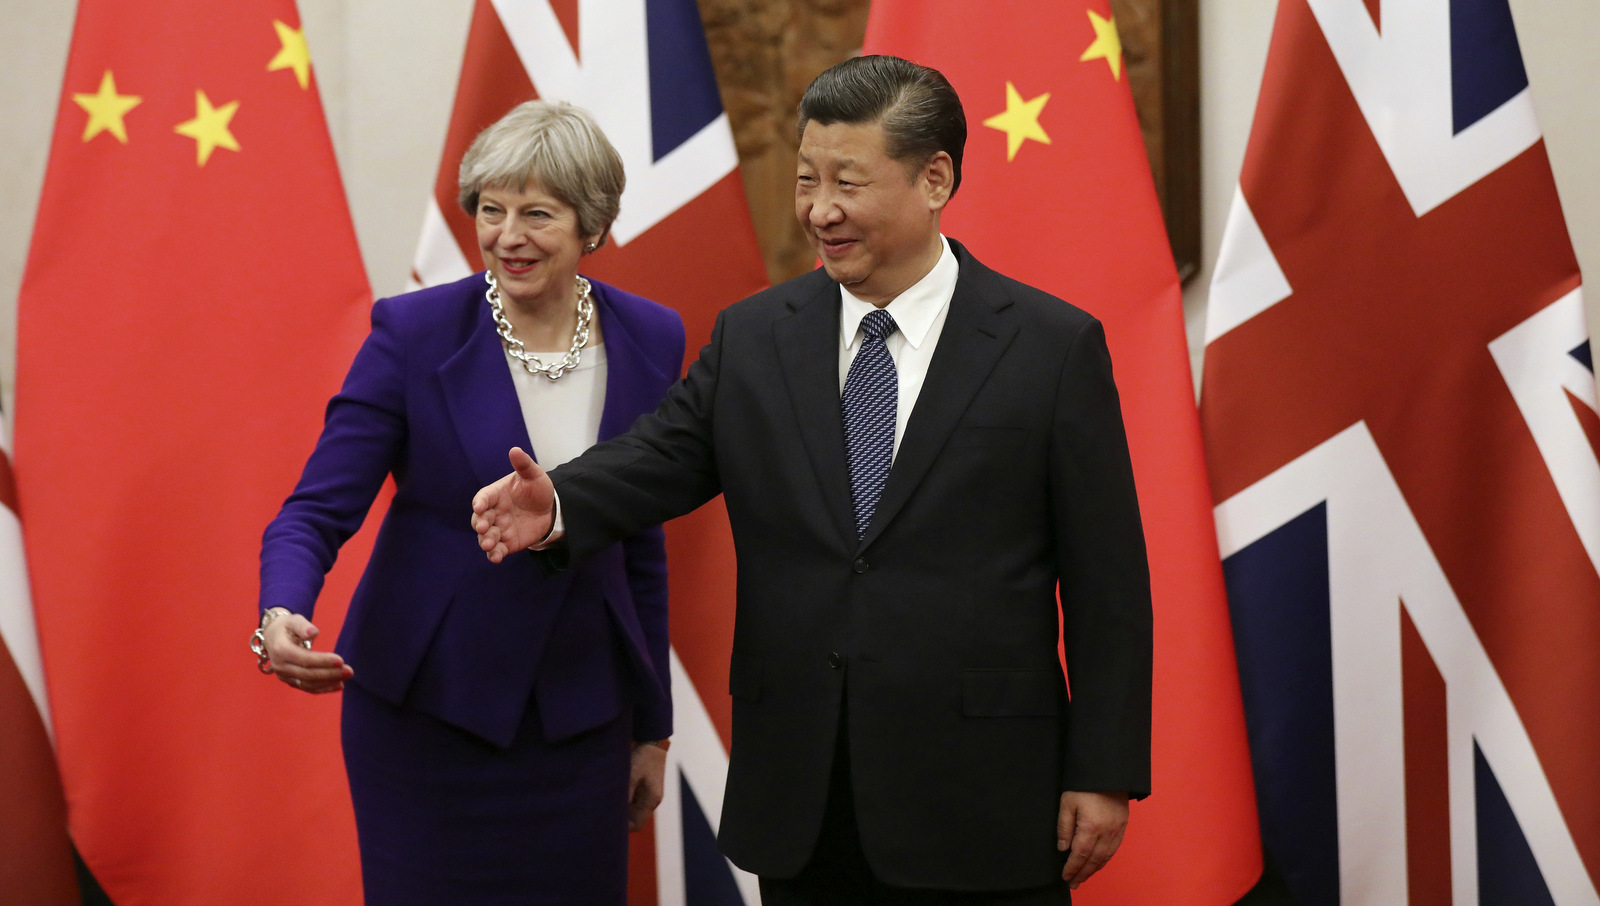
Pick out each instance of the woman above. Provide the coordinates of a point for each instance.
(502, 728)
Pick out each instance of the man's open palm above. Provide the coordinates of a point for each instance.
(516, 512)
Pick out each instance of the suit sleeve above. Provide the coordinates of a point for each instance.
(363, 433)
(663, 467)
(1104, 579)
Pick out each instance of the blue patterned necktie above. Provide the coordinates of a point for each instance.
(871, 396)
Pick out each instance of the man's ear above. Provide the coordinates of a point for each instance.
(938, 177)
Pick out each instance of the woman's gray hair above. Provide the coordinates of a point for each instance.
(560, 147)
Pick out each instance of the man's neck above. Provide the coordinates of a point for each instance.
(923, 265)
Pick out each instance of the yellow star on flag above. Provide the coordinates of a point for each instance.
(1020, 120)
(209, 128)
(294, 55)
(1107, 44)
(106, 109)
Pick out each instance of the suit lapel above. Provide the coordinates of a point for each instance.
(633, 383)
(975, 334)
(482, 401)
(808, 352)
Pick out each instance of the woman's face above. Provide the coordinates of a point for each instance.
(531, 244)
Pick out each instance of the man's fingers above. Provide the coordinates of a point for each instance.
(1091, 825)
(1069, 872)
(524, 466)
(1092, 859)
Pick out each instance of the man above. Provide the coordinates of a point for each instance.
(915, 453)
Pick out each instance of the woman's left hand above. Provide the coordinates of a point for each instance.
(646, 780)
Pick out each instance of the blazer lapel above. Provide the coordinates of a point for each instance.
(633, 382)
(808, 352)
(975, 335)
(482, 401)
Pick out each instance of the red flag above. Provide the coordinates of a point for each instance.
(685, 239)
(35, 854)
(192, 298)
(1056, 193)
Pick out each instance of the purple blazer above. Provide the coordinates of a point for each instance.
(433, 625)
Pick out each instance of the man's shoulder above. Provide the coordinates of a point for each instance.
(1028, 301)
(781, 299)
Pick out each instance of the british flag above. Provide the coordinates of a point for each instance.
(684, 238)
(1400, 417)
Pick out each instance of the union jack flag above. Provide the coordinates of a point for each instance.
(1400, 416)
(684, 238)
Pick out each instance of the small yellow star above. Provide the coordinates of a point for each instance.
(1107, 44)
(1020, 120)
(209, 128)
(294, 55)
(106, 109)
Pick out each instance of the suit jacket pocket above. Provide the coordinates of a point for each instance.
(988, 437)
(997, 692)
(744, 677)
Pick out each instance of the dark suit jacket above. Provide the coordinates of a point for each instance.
(434, 625)
(1012, 479)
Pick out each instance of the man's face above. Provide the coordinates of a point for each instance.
(874, 225)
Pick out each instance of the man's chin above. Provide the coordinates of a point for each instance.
(839, 273)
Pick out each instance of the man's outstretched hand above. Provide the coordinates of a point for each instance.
(516, 512)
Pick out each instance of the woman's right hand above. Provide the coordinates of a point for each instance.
(298, 665)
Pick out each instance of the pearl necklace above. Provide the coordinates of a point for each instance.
(514, 347)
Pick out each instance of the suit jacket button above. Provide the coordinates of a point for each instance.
(860, 566)
(835, 660)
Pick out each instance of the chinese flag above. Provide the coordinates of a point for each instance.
(1056, 193)
(192, 297)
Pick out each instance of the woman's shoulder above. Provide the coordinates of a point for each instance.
(434, 306)
(634, 308)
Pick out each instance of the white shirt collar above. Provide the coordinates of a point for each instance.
(914, 310)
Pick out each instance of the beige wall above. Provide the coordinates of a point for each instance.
(387, 69)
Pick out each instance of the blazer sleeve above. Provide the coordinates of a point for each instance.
(1104, 579)
(661, 468)
(363, 434)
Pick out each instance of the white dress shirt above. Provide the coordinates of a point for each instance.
(919, 313)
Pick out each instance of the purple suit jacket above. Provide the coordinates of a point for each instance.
(433, 625)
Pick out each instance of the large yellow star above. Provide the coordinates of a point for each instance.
(209, 128)
(1107, 44)
(1020, 120)
(106, 109)
(294, 55)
